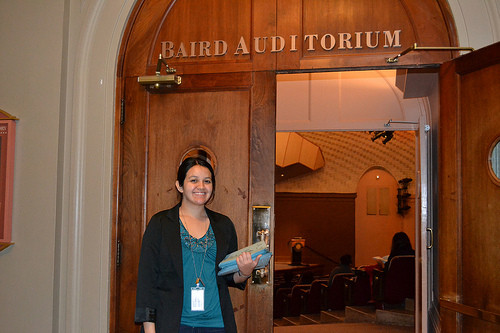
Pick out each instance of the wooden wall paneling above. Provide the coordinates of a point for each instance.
(207, 21)
(481, 230)
(179, 22)
(416, 20)
(469, 198)
(141, 28)
(117, 149)
(314, 216)
(343, 16)
(262, 163)
(289, 23)
(434, 26)
(207, 110)
(237, 97)
(449, 232)
(131, 222)
(215, 82)
(264, 26)
(216, 120)
(478, 324)
(449, 22)
(337, 17)
(117, 167)
(157, 132)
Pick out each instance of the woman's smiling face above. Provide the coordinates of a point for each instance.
(197, 188)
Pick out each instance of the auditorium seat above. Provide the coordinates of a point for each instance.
(316, 296)
(336, 292)
(358, 289)
(397, 283)
(280, 302)
(297, 300)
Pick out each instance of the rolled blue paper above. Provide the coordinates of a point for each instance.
(223, 264)
(232, 267)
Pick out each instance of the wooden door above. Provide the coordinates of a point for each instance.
(469, 200)
(236, 124)
(226, 103)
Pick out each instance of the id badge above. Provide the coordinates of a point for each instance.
(197, 298)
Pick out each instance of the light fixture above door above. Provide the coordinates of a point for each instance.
(296, 156)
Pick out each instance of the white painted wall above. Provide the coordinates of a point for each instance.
(57, 73)
(477, 21)
(339, 101)
(30, 82)
(379, 227)
(57, 64)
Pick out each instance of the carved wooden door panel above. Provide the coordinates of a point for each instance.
(225, 104)
(469, 200)
(234, 121)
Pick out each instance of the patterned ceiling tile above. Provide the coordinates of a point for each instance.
(348, 155)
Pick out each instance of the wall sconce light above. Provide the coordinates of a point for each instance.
(159, 83)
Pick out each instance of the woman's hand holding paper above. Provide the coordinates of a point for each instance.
(245, 266)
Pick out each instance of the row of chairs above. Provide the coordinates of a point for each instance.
(392, 286)
(346, 289)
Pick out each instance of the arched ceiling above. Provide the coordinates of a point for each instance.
(351, 100)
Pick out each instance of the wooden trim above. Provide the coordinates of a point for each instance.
(484, 57)
(470, 311)
(3, 246)
(261, 191)
(450, 24)
(4, 115)
(315, 196)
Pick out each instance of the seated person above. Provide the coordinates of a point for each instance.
(345, 267)
(401, 246)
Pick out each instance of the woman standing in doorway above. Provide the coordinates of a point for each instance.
(178, 289)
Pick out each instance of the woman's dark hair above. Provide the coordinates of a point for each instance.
(190, 162)
(400, 241)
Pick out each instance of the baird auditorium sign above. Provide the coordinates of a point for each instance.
(327, 42)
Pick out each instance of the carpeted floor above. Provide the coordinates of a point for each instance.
(344, 328)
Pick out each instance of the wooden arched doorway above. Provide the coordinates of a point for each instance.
(227, 54)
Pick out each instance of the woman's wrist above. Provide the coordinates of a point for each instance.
(243, 275)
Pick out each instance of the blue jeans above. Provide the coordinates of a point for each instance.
(189, 329)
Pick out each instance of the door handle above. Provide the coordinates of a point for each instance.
(263, 234)
(432, 238)
(261, 221)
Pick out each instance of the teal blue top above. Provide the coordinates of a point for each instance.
(202, 251)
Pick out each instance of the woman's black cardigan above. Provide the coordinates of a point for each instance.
(160, 287)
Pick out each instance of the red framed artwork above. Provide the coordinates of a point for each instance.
(7, 146)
